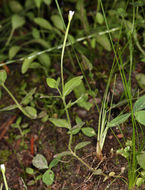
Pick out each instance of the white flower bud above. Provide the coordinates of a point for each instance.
(3, 168)
(70, 15)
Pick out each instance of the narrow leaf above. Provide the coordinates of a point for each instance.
(54, 162)
(118, 120)
(60, 122)
(65, 153)
(81, 145)
(43, 23)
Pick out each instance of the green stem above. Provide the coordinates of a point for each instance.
(10, 37)
(14, 99)
(62, 55)
(5, 181)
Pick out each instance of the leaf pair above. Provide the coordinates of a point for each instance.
(40, 162)
(68, 87)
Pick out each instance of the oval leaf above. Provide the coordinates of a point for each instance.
(139, 104)
(15, 6)
(3, 76)
(47, 2)
(13, 51)
(40, 162)
(43, 23)
(27, 62)
(118, 120)
(71, 84)
(17, 21)
(51, 83)
(57, 22)
(88, 131)
(104, 41)
(31, 111)
(38, 3)
(81, 145)
(44, 59)
(60, 122)
(48, 177)
(141, 159)
(140, 117)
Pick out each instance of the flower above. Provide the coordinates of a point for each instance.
(70, 15)
(2, 168)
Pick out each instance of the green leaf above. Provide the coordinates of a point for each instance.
(54, 162)
(47, 2)
(76, 128)
(43, 23)
(38, 3)
(29, 171)
(44, 60)
(15, 6)
(29, 97)
(80, 92)
(17, 21)
(140, 117)
(71, 84)
(57, 22)
(42, 42)
(51, 83)
(118, 120)
(35, 33)
(60, 122)
(139, 104)
(140, 181)
(104, 41)
(141, 159)
(3, 76)
(48, 177)
(81, 145)
(140, 77)
(40, 162)
(27, 62)
(65, 153)
(87, 65)
(13, 51)
(99, 18)
(9, 108)
(31, 111)
(88, 131)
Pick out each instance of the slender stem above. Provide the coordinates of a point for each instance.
(62, 55)
(17, 103)
(5, 181)
(10, 37)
